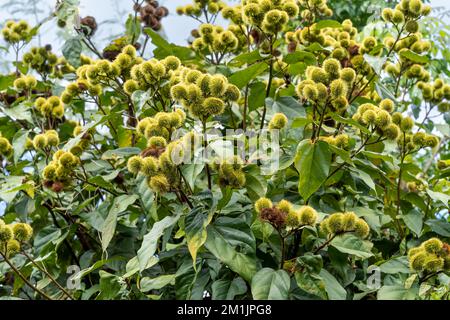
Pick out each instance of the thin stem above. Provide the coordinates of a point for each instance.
(42, 293)
(48, 275)
(205, 146)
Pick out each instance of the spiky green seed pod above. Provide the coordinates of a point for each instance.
(159, 184)
(362, 229)
(332, 67)
(349, 220)
(310, 92)
(412, 26)
(20, 84)
(387, 104)
(308, 215)
(369, 117)
(413, 251)
(279, 121)
(383, 119)
(348, 75)
(398, 17)
(262, 203)
(5, 146)
(316, 74)
(433, 263)
(6, 234)
(130, 86)
(52, 138)
(419, 138)
(416, 262)
(22, 232)
(387, 14)
(433, 245)
(397, 118)
(217, 85)
(342, 140)
(335, 223)
(391, 132)
(171, 63)
(213, 106)
(406, 124)
(284, 206)
(39, 141)
(338, 88)
(67, 160)
(293, 219)
(134, 164)
(431, 141)
(232, 93)
(415, 7)
(149, 166)
(155, 142)
(12, 247)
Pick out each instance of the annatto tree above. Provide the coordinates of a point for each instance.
(283, 155)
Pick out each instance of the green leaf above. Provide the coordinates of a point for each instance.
(439, 196)
(245, 58)
(231, 240)
(164, 48)
(157, 283)
(395, 265)
(133, 27)
(10, 187)
(268, 284)
(375, 62)
(119, 205)
(255, 184)
(441, 227)
(300, 56)
(312, 161)
(334, 289)
(392, 292)
(20, 112)
(408, 54)
(291, 108)
(191, 172)
(195, 226)
(384, 92)
(243, 77)
(414, 221)
(228, 290)
(328, 24)
(72, 51)
(6, 81)
(19, 144)
(349, 243)
(150, 242)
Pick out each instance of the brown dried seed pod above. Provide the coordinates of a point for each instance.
(89, 21)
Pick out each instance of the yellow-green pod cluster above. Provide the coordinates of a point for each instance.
(230, 172)
(12, 236)
(202, 94)
(412, 141)
(61, 167)
(379, 118)
(215, 39)
(61, 68)
(406, 12)
(51, 107)
(162, 124)
(25, 83)
(50, 138)
(233, 13)
(436, 92)
(268, 212)
(152, 74)
(431, 256)
(327, 84)
(305, 216)
(272, 16)
(14, 32)
(84, 141)
(160, 167)
(311, 10)
(338, 223)
(196, 8)
(6, 149)
(42, 60)
(443, 164)
(340, 140)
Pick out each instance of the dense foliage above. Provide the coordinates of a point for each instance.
(290, 154)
